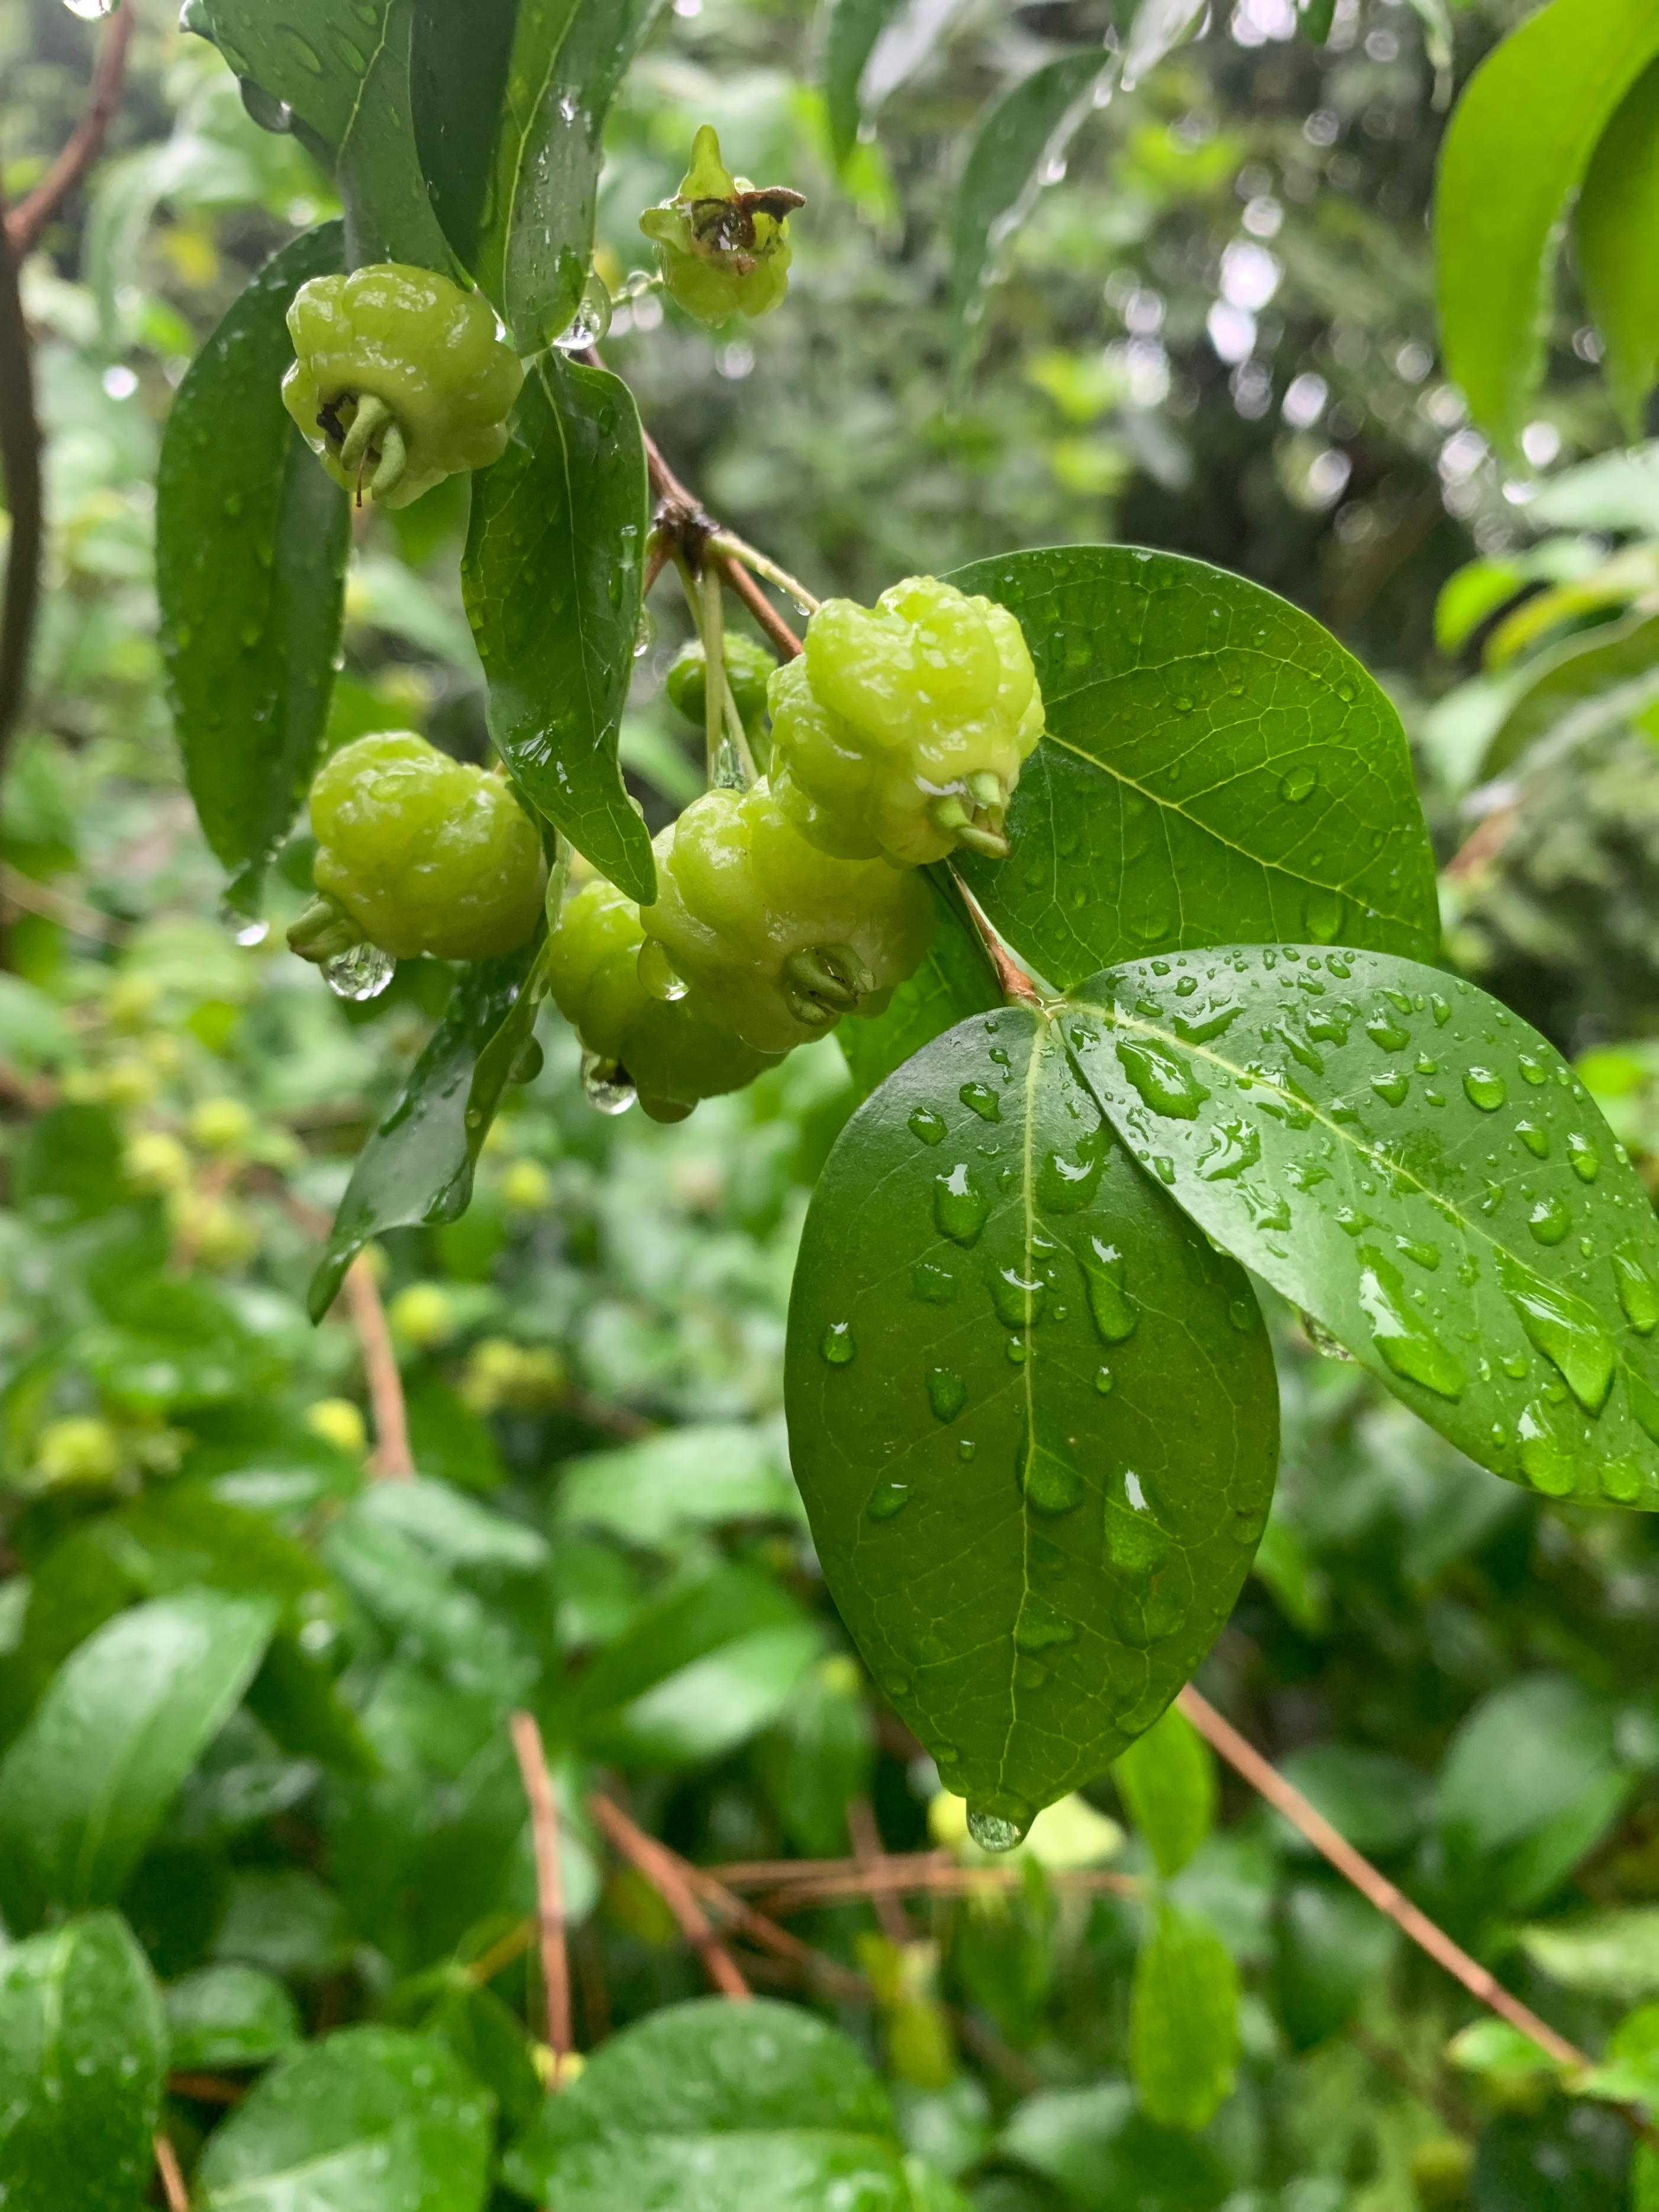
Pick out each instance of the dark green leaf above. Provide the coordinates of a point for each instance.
(1167, 1782)
(1577, 687)
(428, 1617)
(1617, 219)
(82, 2047)
(717, 2107)
(389, 212)
(284, 1923)
(1521, 140)
(418, 1164)
(1376, 1801)
(293, 1696)
(1031, 1523)
(1331, 1949)
(87, 1784)
(303, 54)
(1422, 1172)
(1183, 2022)
(251, 540)
(955, 980)
(367, 2120)
(1216, 769)
(818, 1757)
(510, 103)
(686, 1627)
(1107, 2155)
(851, 30)
(229, 2016)
(552, 577)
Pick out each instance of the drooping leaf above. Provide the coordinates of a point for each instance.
(1017, 148)
(228, 2015)
(552, 575)
(1418, 1170)
(1183, 2022)
(717, 2107)
(1520, 142)
(1577, 687)
(418, 1164)
(1167, 1782)
(251, 540)
(1216, 768)
(83, 2048)
(851, 30)
(1159, 27)
(1031, 1523)
(955, 980)
(511, 98)
(1617, 221)
(366, 2120)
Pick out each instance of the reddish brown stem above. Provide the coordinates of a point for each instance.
(31, 214)
(549, 1885)
(393, 1460)
(871, 1853)
(1015, 984)
(172, 2181)
(668, 1876)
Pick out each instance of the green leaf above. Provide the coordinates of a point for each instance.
(83, 2048)
(87, 1784)
(955, 980)
(1420, 1171)
(418, 1165)
(1183, 2022)
(1027, 133)
(1614, 1955)
(1167, 1782)
(1331, 1949)
(1530, 1784)
(1520, 142)
(1105, 2154)
(681, 1630)
(1030, 1523)
(229, 2016)
(1617, 221)
(1374, 1799)
(1216, 769)
(552, 576)
(852, 28)
(1159, 27)
(511, 98)
(1576, 687)
(655, 1493)
(717, 2107)
(366, 2120)
(251, 540)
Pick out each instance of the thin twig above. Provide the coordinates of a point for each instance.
(731, 547)
(172, 2181)
(869, 1852)
(393, 1460)
(31, 214)
(20, 463)
(207, 2088)
(500, 1955)
(52, 905)
(835, 1979)
(549, 1885)
(668, 1875)
(762, 608)
(914, 1877)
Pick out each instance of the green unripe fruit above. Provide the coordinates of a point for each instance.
(774, 939)
(78, 1452)
(902, 728)
(422, 853)
(422, 1315)
(398, 380)
(749, 668)
(722, 246)
(1443, 2168)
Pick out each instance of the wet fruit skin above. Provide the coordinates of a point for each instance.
(723, 246)
(670, 1055)
(749, 668)
(426, 854)
(418, 344)
(775, 938)
(902, 728)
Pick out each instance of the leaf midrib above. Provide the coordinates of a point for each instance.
(522, 127)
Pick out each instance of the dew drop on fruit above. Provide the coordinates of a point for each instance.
(361, 973)
(992, 1831)
(604, 1086)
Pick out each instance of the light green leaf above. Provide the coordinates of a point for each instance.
(657, 1491)
(1577, 687)
(1617, 223)
(1418, 1170)
(366, 2120)
(125, 1718)
(732, 1605)
(251, 540)
(1183, 2022)
(1520, 1759)
(229, 2016)
(708, 1708)
(552, 576)
(1215, 769)
(852, 28)
(1030, 1523)
(1607, 1954)
(83, 2048)
(1167, 1782)
(1520, 142)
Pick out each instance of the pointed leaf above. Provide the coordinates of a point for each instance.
(1032, 1524)
(1422, 1172)
(1217, 769)
(1167, 1782)
(1617, 221)
(1183, 2022)
(82, 2047)
(850, 36)
(955, 980)
(122, 1721)
(251, 540)
(552, 576)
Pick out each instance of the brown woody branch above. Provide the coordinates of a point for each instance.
(393, 1459)
(172, 2181)
(870, 1851)
(26, 222)
(549, 1885)
(670, 1877)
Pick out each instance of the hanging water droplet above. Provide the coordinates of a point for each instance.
(931, 1127)
(1549, 1220)
(1486, 1088)
(960, 1206)
(947, 1394)
(607, 1088)
(645, 636)
(887, 1499)
(992, 1833)
(1536, 1139)
(591, 320)
(244, 929)
(361, 974)
(658, 975)
(90, 11)
(1586, 1160)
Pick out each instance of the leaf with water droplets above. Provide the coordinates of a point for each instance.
(1031, 1563)
(1441, 1226)
(1217, 769)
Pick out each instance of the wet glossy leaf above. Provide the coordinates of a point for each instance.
(86, 1784)
(1183, 2022)
(1533, 114)
(1032, 1524)
(552, 576)
(367, 2120)
(82, 2047)
(510, 102)
(1615, 222)
(955, 980)
(851, 30)
(1167, 1782)
(1420, 1171)
(251, 540)
(228, 2015)
(1216, 769)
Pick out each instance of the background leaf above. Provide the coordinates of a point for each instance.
(552, 575)
(1167, 1782)
(851, 30)
(228, 2015)
(1216, 768)
(1159, 27)
(1030, 1523)
(82, 2047)
(251, 540)
(1532, 114)
(86, 1784)
(1577, 687)
(1096, 2145)
(1615, 222)
(1421, 1172)
(1183, 2022)
(955, 980)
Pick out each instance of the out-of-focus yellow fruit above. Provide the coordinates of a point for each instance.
(155, 1162)
(80, 1449)
(221, 1125)
(339, 1423)
(526, 1188)
(423, 1315)
(502, 1376)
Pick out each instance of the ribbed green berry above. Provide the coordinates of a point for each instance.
(749, 669)
(722, 246)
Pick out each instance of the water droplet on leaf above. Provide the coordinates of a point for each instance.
(836, 1345)
(947, 1394)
